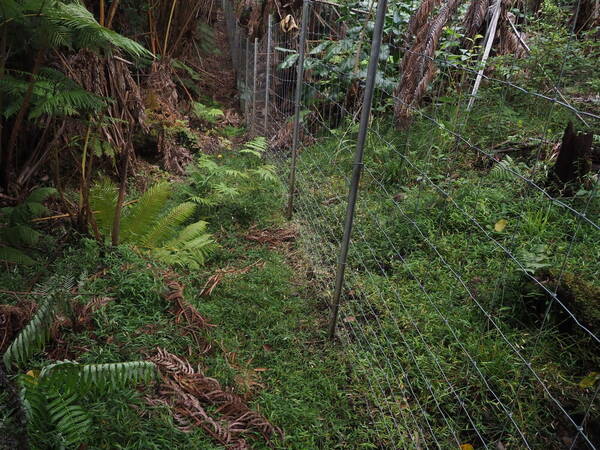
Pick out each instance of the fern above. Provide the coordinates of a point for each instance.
(73, 376)
(506, 170)
(190, 248)
(15, 256)
(32, 338)
(146, 226)
(51, 398)
(255, 147)
(141, 216)
(266, 173)
(103, 201)
(206, 113)
(16, 231)
(167, 225)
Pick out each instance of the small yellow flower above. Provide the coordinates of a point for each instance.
(219, 156)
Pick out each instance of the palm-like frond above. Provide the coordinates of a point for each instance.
(168, 224)
(190, 248)
(266, 173)
(81, 378)
(33, 337)
(146, 226)
(51, 398)
(86, 32)
(256, 146)
(206, 113)
(103, 201)
(53, 94)
(141, 217)
(15, 256)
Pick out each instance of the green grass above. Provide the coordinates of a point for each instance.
(424, 271)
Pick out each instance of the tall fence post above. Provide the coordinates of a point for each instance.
(254, 84)
(298, 95)
(358, 162)
(268, 76)
(247, 74)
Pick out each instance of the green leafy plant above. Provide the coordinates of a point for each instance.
(150, 226)
(16, 232)
(217, 182)
(52, 397)
(207, 113)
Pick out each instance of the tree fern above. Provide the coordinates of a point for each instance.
(74, 21)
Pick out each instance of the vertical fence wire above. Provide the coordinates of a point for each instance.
(457, 309)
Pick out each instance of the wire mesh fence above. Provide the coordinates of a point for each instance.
(469, 304)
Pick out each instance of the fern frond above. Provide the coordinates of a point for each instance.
(87, 32)
(13, 256)
(258, 144)
(41, 194)
(224, 190)
(190, 248)
(207, 113)
(266, 173)
(233, 173)
(103, 201)
(167, 225)
(188, 233)
(145, 212)
(81, 378)
(203, 201)
(34, 335)
(504, 170)
(32, 338)
(20, 235)
(71, 421)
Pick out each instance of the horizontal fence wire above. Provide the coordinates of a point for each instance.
(458, 311)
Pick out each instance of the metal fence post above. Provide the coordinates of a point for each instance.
(254, 84)
(298, 95)
(268, 76)
(358, 162)
(246, 88)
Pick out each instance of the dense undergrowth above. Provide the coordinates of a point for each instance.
(442, 306)
(267, 343)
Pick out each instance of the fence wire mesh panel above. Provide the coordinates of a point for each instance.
(471, 303)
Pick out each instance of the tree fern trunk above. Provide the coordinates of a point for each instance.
(8, 159)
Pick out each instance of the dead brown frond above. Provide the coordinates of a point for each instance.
(188, 392)
(473, 22)
(274, 237)
(421, 15)
(181, 308)
(215, 279)
(418, 68)
(12, 319)
(511, 41)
